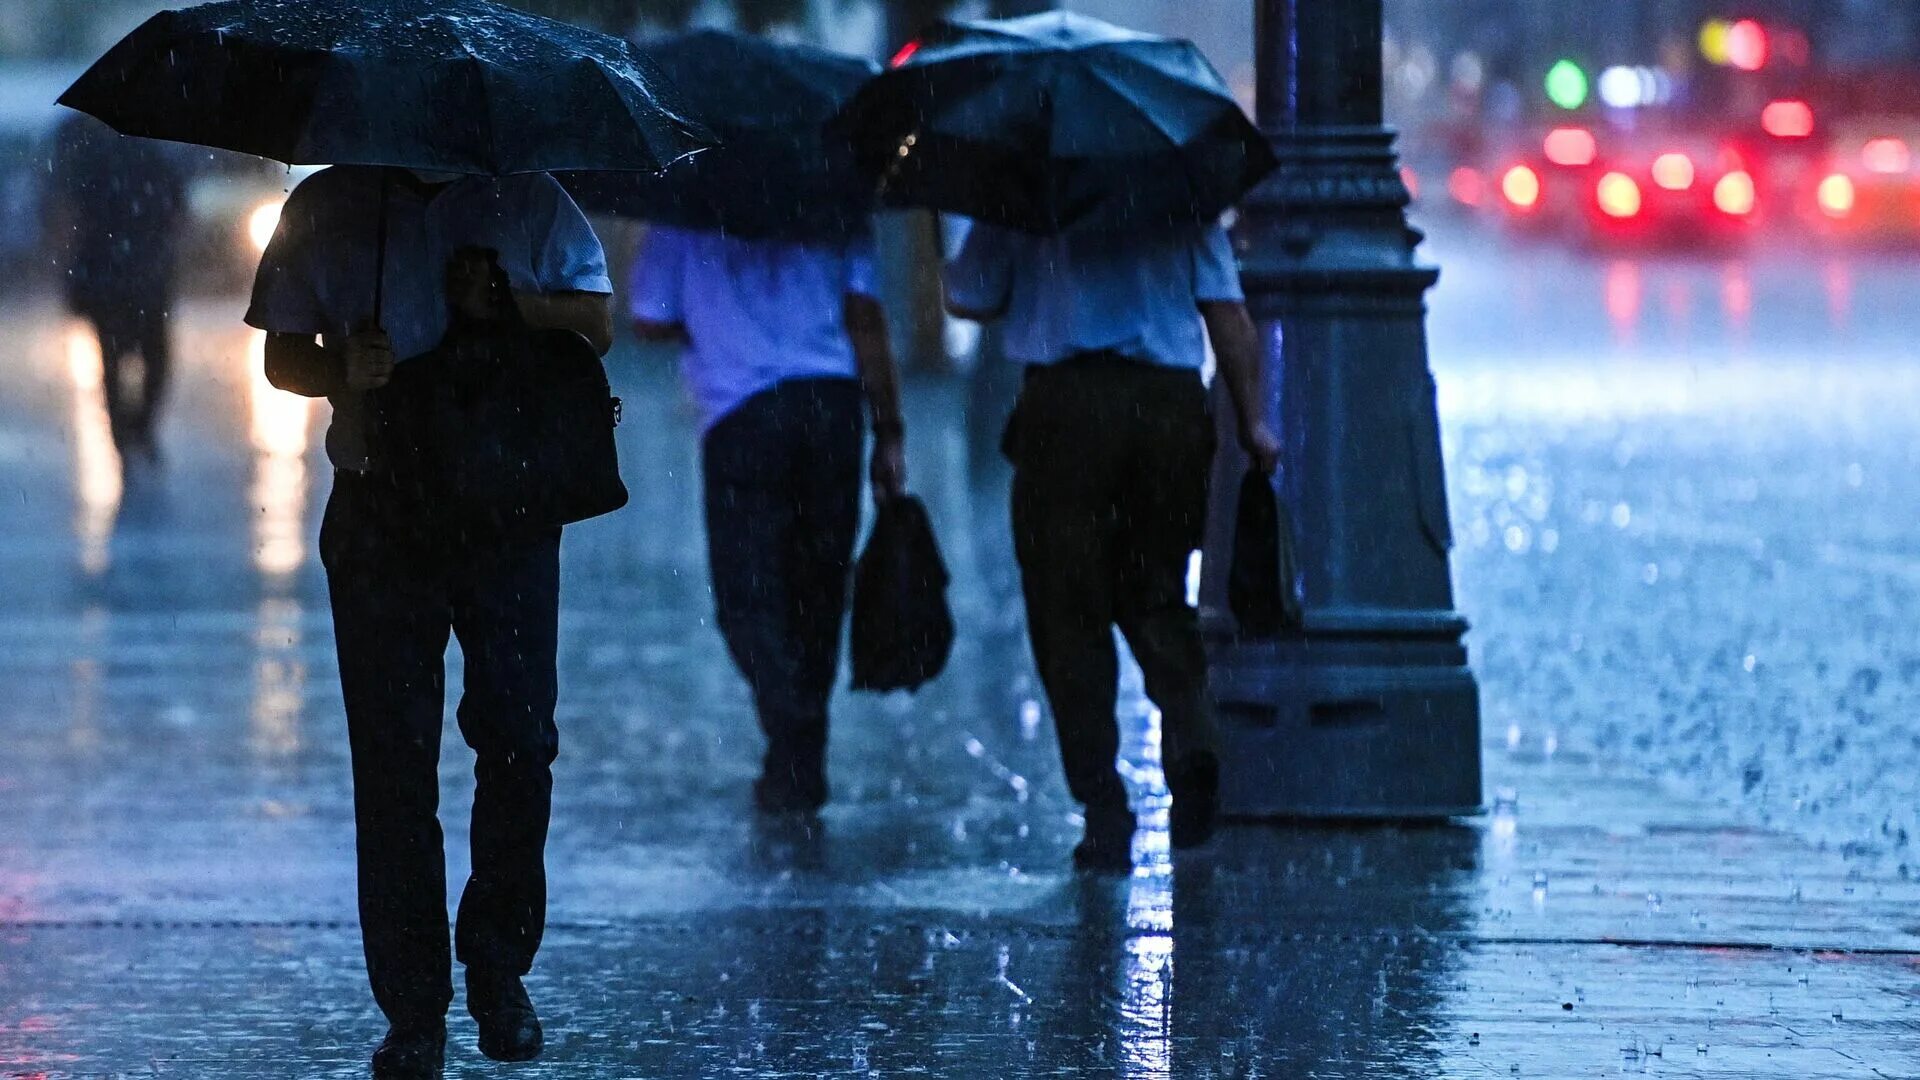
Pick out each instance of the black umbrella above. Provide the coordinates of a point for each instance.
(777, 171)
(1055, 122)
(450, 85)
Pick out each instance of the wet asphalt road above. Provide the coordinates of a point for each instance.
(1685, 494)
(1682, 493)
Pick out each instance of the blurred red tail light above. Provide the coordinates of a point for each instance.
(1835, 196)
(1787, 119)
(1886, 155)
(1521, 186)
(1734, 194)
(905, 54)
(1618, 195)
(1673, 171)
(1467, 186)
(1747, 45)
(1570, 146)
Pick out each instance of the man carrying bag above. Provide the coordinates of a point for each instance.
(1111, 443)
(785, 343)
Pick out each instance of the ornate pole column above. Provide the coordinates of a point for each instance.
(1369, 709)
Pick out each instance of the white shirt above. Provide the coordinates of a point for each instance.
(1132, 293)
(757, 312)
(317, 275)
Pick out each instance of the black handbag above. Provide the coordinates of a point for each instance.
(1260, 579)
(902, 628)
(505, 427)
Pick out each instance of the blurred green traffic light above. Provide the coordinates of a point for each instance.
(1567, 85)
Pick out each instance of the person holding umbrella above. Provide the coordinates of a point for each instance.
(399, 581)
(767, 273)
(1096, 162)
(440, 119)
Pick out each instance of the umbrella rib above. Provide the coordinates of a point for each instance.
(659, 166)
(1121, 92)
(486, 105)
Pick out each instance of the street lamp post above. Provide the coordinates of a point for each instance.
(1369, 709)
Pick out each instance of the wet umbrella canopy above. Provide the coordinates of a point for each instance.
(1056, 122)
(453, 85)
(777, 171)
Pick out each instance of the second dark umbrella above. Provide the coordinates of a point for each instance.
(777, 171)
(1057, 122)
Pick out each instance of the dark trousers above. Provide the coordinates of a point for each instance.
(128, 328)
(782, 477)
(1111, 461)
(399, 585)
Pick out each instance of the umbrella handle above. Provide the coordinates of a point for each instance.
(380, 251)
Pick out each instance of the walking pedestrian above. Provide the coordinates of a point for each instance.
(785, 338)
(116, 208)
(1111, 442)
(401, 579)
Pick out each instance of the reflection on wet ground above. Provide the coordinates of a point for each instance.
(1645, 541)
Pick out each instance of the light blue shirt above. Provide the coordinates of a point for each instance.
(1136, 294)
(317, 274)
(757, 312)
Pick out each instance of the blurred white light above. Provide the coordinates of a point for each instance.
(1662, 86)
(1469, 72)
(1649, 85)
(1620, 87)
(261, 223)
(1420, 70)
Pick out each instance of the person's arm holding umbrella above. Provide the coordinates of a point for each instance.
(286, 303)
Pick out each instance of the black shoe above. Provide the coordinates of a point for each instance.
(1196, 801)
(509, 1028)
(1107, 847)
(411, 1053)
(781, 791)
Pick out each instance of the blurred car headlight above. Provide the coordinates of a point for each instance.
(261, 223)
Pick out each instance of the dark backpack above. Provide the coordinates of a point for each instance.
(902, 628)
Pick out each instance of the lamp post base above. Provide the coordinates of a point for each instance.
(1363, 714)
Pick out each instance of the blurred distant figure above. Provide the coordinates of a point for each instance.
(786, 340)
(116, 205)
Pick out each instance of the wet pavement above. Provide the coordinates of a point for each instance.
(1682, 492)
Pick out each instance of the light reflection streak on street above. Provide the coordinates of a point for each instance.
(1146, 998)
(1572, 390)
(1837, 279)
(96, 464)
(1623, 298)
(280, 427)
(1736, 295)
(279, 680)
